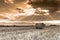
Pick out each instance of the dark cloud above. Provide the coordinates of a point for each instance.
(51, 5)
(43, 3)
(46, 4)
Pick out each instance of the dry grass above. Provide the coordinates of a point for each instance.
(49, 33)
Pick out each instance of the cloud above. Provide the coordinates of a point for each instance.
(44, 3)
(6, 5)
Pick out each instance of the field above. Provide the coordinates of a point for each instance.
(30, 33)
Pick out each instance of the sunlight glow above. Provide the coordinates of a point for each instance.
(45, 10)
(46, 14)
(29, 10)
(9, 1)
(52, 21)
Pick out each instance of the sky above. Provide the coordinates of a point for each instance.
(8, 5)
